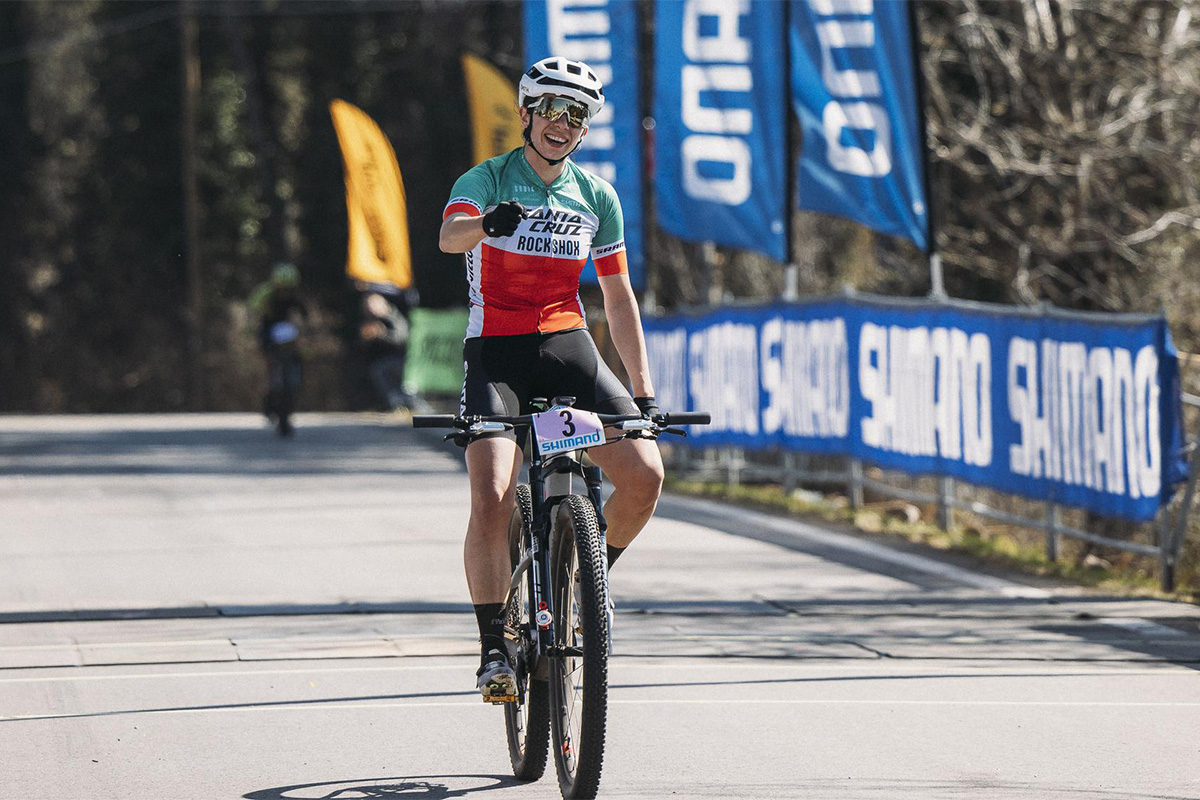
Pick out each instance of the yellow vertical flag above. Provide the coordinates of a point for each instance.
(378, 243)
(495, 126)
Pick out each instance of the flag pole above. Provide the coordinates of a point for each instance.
(791, 271)
(645, 101)
(937, 284)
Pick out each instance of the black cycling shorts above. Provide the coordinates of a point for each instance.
(503, 373)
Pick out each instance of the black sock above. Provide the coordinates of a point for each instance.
(613, 554)
(490, 617)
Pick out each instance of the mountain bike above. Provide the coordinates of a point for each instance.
(558, 624)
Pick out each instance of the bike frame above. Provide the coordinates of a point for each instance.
(549, 482)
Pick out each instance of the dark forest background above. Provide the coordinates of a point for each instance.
(1064, 147)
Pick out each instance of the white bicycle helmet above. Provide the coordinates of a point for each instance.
(565, 78)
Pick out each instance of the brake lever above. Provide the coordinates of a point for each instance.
(676, 431)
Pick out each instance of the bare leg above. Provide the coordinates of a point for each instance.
(636, 470)
(493, 466)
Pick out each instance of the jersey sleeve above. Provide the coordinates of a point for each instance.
(472, 192)
(608, 246)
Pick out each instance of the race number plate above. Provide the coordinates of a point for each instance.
(561, 429)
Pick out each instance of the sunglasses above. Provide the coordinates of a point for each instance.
(551, 108)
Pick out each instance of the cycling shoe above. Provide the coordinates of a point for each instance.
(497, 682)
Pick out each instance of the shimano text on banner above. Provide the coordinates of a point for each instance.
(721, 125)
(1077, 409)
(854, 90)
(602, 34)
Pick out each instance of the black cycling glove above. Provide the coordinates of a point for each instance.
(648, 406)
(504, 218)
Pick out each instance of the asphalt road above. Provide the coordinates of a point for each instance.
(192, 608)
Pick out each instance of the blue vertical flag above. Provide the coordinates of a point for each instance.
(604, 35)
(721, 132)
(854, 90)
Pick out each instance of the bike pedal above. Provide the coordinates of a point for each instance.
(499, 700)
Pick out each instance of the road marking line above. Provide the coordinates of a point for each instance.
(244, 669)
(218, 674)
(301, 706)
(298, 639)
(1033, 703)
(92, 645)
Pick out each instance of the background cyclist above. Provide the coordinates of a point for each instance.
(277, 302)
(527, 222)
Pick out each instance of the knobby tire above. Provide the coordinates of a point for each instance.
(527, 723)
(579, 691)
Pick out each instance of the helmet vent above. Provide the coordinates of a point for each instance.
(562, 76)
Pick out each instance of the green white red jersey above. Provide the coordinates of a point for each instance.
(529, 282)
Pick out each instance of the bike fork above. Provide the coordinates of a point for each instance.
(540, 571)
(595, 482)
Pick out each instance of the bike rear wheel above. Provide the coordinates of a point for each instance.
(285, 384)
(579, 670)
(526, 722)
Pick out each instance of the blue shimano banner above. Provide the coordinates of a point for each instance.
(720, 114)
(604, 35)
(854, 90)
(1081, 410)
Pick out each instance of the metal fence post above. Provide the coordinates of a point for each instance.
(789, 472)
(1166, 564)
(945, 512)
(734, 459)
(856, 484)
(1053, 522)
(1170, 548)
(683, 460)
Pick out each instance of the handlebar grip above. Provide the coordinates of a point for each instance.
(433, 420)
(688, 418)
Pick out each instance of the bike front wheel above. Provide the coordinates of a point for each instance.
(526, 722)
(579, 665)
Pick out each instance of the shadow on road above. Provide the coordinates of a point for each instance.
(427, 786)
(870, 678)
(1164, 644)
(245, 610)
(349, 448)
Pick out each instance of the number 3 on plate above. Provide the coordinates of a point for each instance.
(569, 430)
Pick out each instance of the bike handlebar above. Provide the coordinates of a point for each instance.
(433, 420)
(687, 418)
(452, 421)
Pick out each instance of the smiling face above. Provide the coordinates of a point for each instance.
(552, 140)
